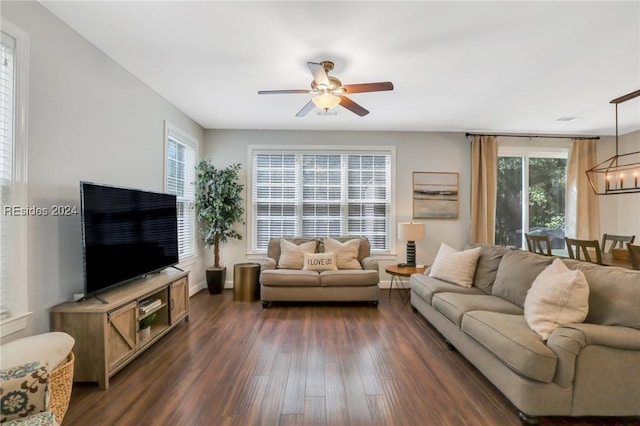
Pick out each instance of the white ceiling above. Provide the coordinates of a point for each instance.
(508, 67)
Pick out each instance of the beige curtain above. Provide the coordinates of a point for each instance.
(581, 203)
(484, 177)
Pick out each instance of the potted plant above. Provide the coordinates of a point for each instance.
(218, 206)
(145, 326)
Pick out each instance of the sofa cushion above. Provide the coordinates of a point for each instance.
(44, 418)
(614, 294)
(363, 251)
(457, 267)
(487, 266)
(24, 390)
(349, 278)
(51, 348)
(292, 254)
(455, 305)
(557, 297)
(516, 273)
(273, 249)
(289, 278)
(320, 262)
(426, 287)
(509, 339)
(346, 252)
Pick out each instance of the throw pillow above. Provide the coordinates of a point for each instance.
(292, 255)
(456, 267)
(320, 262)
(24, 390)
(557, 297)
(346, 253)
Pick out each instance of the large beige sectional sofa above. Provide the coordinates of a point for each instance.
(298, 285)
(586, 369)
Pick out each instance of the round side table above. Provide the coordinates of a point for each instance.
(246, 282)
(397, 273)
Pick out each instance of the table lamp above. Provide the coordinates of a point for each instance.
(411, 232)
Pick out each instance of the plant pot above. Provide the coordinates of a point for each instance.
(145, 333)
(215, 279)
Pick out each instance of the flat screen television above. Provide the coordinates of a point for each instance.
(126, 234)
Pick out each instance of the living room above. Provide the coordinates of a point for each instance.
(89, 118)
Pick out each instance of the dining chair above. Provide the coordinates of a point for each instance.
(634, 255)
(616, 241)
(584, 246)
(540, 244)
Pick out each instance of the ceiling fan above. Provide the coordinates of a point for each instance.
(330, 92)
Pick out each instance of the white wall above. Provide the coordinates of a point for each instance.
(88, 119)
(433, 152)
(619, 214)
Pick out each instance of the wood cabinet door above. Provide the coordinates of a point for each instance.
(121, 334)
(179, 300)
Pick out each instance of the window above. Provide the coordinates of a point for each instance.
(321, 193)
(180, 177)
(13, 246)
(530, 195)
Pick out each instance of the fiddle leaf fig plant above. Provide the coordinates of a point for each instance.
(218, 204)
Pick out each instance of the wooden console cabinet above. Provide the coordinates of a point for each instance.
(108, 336)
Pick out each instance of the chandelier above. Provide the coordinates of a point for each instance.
(619, 174)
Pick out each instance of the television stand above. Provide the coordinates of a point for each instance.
(108, 334)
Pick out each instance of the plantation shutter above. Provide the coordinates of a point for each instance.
(369, 195)
(181, 157)
(7, 89)
(320, 194)
(275, 197)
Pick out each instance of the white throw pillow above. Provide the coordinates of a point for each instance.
(346, 253)
(456, 267)
(557, 297)
(292, 255)
(320, 262)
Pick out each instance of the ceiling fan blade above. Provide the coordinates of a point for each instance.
(352, 106)
(277, 92)
(368, 87)
(305, 109)
(319, 74)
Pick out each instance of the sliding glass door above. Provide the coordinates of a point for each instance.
(530, 196)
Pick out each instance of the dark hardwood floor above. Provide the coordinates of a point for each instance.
(298, 364)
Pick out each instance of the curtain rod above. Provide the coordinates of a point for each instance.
(533, 136)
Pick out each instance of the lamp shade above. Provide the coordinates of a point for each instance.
(411, 231)
(326, 101)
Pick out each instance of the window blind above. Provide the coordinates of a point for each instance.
(7, 91)
(181, 156)
(321, 194)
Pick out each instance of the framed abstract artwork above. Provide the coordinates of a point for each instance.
(435, 195)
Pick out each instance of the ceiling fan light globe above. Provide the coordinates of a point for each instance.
(326, 101)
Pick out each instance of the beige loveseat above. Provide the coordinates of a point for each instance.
(586, 369)
(298, 285)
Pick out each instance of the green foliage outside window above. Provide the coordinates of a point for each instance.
(547, 177)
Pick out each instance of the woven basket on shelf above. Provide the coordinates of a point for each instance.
(61, 382)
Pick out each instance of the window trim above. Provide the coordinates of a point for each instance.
(194, 143)
(345, 149)
(20, 293)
